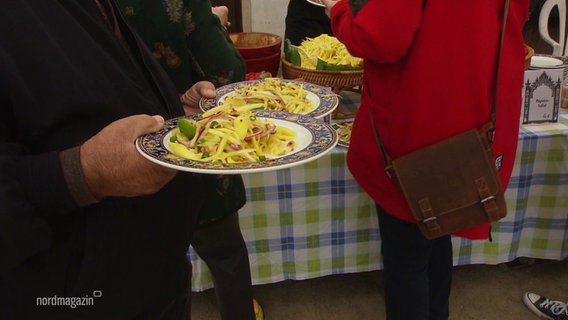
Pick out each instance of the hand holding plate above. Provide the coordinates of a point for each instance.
(328, 5)
(113, 168)
(190, 99)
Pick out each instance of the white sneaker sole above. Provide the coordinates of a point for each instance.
(531, 306)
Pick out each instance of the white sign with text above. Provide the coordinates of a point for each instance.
(542, 95)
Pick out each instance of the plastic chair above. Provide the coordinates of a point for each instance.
(557, 46)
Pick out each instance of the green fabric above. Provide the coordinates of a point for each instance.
(228, 197)
(187, 39)
(191, 45)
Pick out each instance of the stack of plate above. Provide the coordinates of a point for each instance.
(549, 62)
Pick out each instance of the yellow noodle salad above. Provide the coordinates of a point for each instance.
(344, 131)
(328, 49)
(271, 94)
(230, 134)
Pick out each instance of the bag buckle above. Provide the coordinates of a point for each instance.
(487, 200)
(429, 219)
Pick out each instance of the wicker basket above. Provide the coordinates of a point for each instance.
(337, 80)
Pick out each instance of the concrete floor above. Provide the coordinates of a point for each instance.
(480, 292)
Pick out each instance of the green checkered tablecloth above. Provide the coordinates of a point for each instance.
(314, 220)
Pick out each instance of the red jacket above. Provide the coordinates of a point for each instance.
(429, 68)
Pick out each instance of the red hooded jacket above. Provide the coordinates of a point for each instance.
(429, 70)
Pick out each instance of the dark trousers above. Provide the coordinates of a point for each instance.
(417, 272)
(221, 246)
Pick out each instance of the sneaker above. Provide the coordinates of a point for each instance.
(258, 312)
(546, 308)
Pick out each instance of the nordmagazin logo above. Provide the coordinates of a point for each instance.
(71, 302)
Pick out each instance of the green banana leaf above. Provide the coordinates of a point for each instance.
(291, 53)
(322, 65)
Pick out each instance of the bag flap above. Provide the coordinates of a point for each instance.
(446, 175)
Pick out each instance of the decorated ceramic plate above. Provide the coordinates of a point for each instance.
(314, 139)
(316, 2)
(546, 62)
(343, 130)
(324, 99)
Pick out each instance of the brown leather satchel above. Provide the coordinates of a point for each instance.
(452, 184)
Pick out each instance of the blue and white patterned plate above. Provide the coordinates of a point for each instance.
(317, 3)
(337, 126)
(323, 97)
(314, 139)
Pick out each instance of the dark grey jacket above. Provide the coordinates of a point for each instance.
(64, 75)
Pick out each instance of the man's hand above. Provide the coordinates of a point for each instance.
(223, 13)
(190, 99)
(113, 168)
(328, 5)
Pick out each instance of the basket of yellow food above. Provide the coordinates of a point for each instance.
(324, 61)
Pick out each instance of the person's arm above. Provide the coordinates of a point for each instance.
(381, 31)
(35, 188)
(113, 167)
(219, 61)
(222, 12)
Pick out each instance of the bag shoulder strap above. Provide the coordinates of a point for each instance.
(493, 118)
(490, 126)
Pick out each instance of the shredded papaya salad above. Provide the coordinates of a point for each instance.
(272, 94)
(328, 49)
(230, 134)
(344, 131)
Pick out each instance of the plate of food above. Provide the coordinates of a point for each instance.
(317, 3)
(232, 140)
(343, 130)
(276, 94)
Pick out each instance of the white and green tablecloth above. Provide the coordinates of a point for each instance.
(314, 220)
